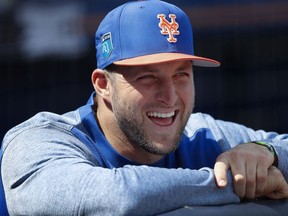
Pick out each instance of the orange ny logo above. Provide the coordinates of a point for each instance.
(169, 28)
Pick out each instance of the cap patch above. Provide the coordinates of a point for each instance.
(169, 28)
(107, 45)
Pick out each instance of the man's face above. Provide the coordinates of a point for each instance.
(152, 104)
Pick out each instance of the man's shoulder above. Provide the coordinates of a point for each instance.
(45, 121)
(202, 121)
(199, 120)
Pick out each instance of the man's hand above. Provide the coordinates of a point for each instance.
(276, 187)
(249, 164)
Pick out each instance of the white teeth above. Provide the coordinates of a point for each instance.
(161, 115)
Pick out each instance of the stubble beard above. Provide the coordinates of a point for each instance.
(135, 134)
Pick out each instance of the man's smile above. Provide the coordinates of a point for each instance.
(161, 118)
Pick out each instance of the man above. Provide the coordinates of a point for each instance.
(135, 148)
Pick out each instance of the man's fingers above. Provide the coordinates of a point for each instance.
(239, 179)
(220, 172)
(251, 172)
(277, 187)
(251, 181)
(238, 171)
(262, 175)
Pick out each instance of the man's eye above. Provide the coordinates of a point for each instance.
(146, 77)
(182, 74)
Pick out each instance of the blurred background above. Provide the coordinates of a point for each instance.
(47, 55)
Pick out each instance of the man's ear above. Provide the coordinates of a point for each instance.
(100, 82)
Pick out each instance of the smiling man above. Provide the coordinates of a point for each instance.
(146, 106)
(136, 148)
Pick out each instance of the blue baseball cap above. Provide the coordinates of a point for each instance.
(146, 32)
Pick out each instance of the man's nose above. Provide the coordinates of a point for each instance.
(167, 93)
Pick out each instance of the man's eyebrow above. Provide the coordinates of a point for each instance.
(155, 70)
(150, 68)
(186, 67)
(144, 69)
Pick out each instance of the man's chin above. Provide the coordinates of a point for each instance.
(163, 149)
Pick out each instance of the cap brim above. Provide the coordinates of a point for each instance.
(168, 57)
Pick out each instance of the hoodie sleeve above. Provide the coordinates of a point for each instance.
(48, 171)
